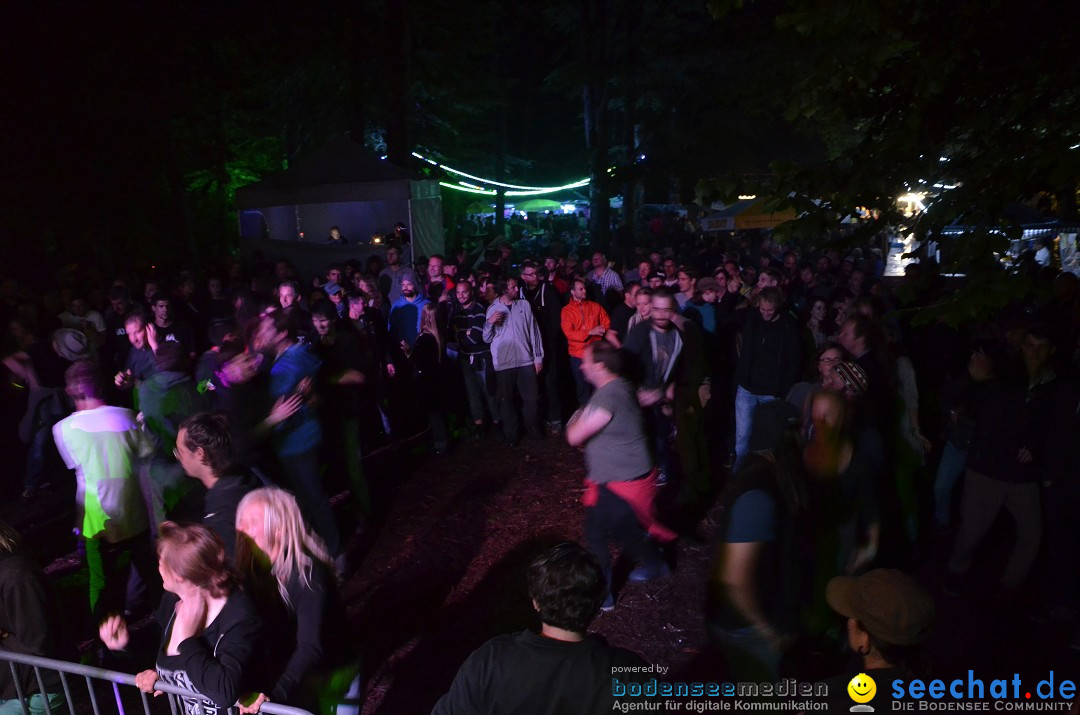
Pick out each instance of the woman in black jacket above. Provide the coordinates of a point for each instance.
(209, 628)
(309, 664)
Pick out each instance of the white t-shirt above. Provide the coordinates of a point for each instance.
(92, 317)
(101, 445)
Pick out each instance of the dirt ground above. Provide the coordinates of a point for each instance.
(446, 571)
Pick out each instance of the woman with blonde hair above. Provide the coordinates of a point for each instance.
(209, 627)
(426, 357)
(292, 578)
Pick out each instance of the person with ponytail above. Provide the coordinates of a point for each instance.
(209, 627)
(287, 568)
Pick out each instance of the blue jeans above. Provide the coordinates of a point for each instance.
(745, 404)
(581, 385)
(951, 466)
(476, 387)
(302, 475)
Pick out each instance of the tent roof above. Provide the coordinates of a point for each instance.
(339, 171)
(732, 210)
(746, 214)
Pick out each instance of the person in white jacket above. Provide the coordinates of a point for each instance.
(517, 353)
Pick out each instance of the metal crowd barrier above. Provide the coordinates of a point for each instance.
(92, 675)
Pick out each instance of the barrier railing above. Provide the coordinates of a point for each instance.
(99, 676)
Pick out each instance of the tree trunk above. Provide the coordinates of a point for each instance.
(398, 69)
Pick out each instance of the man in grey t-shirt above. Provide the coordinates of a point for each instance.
(621, 478)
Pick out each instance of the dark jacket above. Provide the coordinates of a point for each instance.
(219, 511)
(687, 368)
(1009, 417)
(467, 328)
(217, 661)
(28, 617)
(771, 355)
(547, 308)
(304, 637)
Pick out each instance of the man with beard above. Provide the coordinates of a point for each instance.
(390, 277)
(547, 306)
(554, 277)
(674, 381)
(517, 352)
(404, 323)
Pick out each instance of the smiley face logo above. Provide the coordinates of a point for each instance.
(862, 688)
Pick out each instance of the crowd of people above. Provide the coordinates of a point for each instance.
(209, 419)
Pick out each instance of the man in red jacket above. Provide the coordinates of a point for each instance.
(583, 322)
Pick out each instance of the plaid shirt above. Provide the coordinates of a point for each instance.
(607, 280)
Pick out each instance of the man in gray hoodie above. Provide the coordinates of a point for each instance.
(517, 353)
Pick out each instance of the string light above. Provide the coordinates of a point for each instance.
(493, 192)
(517, 190)
(485, 192)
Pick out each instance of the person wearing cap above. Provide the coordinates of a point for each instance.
(888, 615)
(711, 304)
(860, 534)
(336, 294)
(753, 585)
